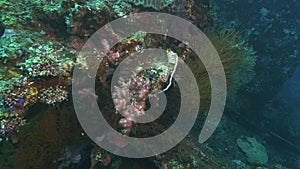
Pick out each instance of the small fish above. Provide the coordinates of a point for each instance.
(21, 100)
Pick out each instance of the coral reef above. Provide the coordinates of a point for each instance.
(53, 95)
(45, 63)
(10, 121)
(46, 59)
(13, 100)
(17, 14)
(26, 57)
(156, 4)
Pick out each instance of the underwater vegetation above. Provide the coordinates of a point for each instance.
(39, 48)
(238, 59)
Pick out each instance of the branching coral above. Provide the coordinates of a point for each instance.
(44, 63)
(28, 53)
(13, 90)
(53, 95)
(14, 45)
(44, 60)
(24, 57)
(16, 94)
(16, 14)
(13, 94)
(10, 121)
(155, 4)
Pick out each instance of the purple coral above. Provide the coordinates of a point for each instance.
(138, 90)
(41, 66)
(52, 95)
(14, 90)
(10, 121)
(12, 106)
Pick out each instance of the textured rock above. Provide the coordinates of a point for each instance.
(255, 152)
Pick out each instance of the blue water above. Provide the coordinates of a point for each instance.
(274, 104)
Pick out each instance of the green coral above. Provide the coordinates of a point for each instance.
(17, 44)
(16, 14)
(32, 53)
(155, 4)
(138, 36)
(98, 5)
(14, 45)
(45, 62)
(121, 8)
(174, 164)
(49, 6)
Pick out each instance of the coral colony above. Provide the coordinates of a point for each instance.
(22, 88)
(138, 88)
(37, 66)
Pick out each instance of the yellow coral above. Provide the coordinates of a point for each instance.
(31, 95)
